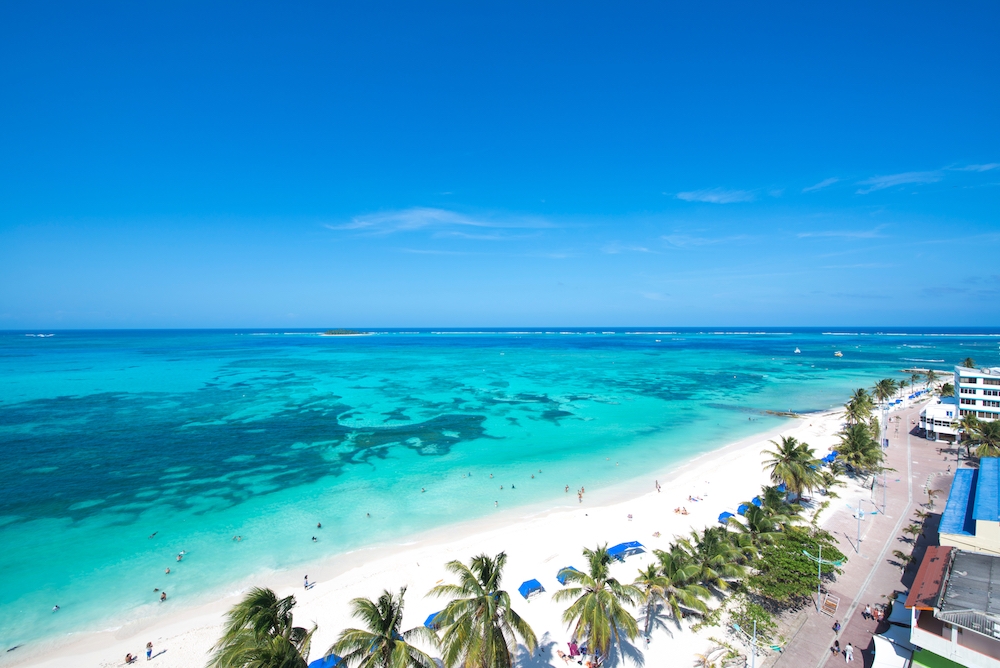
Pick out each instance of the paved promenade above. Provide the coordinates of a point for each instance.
(871, 574)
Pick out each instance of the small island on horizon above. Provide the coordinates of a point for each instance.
(344, 332)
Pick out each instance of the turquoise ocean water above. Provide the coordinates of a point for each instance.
(108, 437)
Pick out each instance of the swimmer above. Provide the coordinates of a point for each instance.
(512, 485)
(55, 608)
(179, 557)
(567, 489)
(153, 534)
(496, 503)
(539, 470)
(422, 489)
(163, 597)
(319, 525)
(314, 539)
(532, 476)
(491, 476)
(368, 514)
(501, 486)
(168, 571)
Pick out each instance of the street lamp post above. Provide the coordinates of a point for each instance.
(819, 569)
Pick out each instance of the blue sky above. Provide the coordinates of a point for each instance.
(467, 164)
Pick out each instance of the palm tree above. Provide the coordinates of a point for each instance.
(859, 450)
(858, 409)
(718, 560)
(987, 437)
(969, 363)
(682, 590)
(931, 377)
(598, 614)
(381, 644)
(760, 524)
(480, 629)
(884, 389)
(914, 379)
(913, 530)
(259, 633)
(921, 514)
(904, 559)
(794, 464)
(931, 494)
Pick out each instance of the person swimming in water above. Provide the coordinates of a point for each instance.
(163, 597)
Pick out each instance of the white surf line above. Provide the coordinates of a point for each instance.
(899, 523)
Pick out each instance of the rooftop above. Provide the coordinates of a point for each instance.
(930, 576)
(970, 593)
(958, 512)
(988, 490)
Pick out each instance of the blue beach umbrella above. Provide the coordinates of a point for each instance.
(563, 572)
(530, 587)
(724, 517)
(429, 622)
(326, 662)
(742, 510)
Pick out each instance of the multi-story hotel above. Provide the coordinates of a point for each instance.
(978, 392)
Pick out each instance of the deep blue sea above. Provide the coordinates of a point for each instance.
(192, 437)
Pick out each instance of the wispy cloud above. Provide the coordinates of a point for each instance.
(655, 296)
(891, 180)
(977, 168)
(614, 248)
(717, 196)
(874, 233)
(685, 240)
(822, 184)
(430, 251)
(418, 218)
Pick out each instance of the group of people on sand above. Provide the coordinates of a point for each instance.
(149, 654)
(576, 653)
(681, 510)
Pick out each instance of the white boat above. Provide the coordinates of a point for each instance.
(838, 354)
(798, 352)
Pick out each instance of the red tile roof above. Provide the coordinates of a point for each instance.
(930, 578)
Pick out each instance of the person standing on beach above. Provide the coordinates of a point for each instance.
(149, 651)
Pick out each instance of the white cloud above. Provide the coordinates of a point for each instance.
(978, 168)
(846, 234)
(890, 180)
(822, 184)
(614, 248)
(717, 196)
(418, 218)
(683, 240)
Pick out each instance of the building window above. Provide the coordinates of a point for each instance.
(992, 393)
(969, 402)
(992, 404)
(991, 381)
(971, 381)
(967, 390)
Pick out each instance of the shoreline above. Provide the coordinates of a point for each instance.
(722, 476)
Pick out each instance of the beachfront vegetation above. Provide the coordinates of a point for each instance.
(969, 363)
(947, 390)
(782, 574)
(794, 464)
(885, 389)
(259, 632)
(859, 450)
(381, 643)
(479, 629)
(984, 435)
(598, 614)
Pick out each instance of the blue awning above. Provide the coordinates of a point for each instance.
(429, 622)
(530, 587)
(742, 510)
(724, 517)
(756, 501)
(326, 662)
(782, 488)
(561, 577)
(622, 550)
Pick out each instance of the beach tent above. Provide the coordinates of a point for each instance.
(325, 662)
(756, 501)
(561, 577)
(782, 488)
(530, 587)
(742, 510)
(889, 655)
(900, 615)
(724, 517)
(622, 550)
(430, 623)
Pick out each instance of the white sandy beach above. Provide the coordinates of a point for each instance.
(538, 543)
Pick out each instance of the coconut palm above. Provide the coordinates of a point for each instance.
(479, 627)
(598, 615)
(913, 530)
(858, 409)
(682, 590)
(381, 644)
(859, 450)
(914, 379)
(718, 560)
(260, 633)
(792, 463)
(904, 559)
(931, 495)
(969, 363)
(760, 524)
(884, 389)
(986, 435)
(921, 514)
(656, 587)
(931, 377)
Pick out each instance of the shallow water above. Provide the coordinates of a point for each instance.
(199, 436)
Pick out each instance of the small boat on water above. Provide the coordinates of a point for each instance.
(838, 354)
(798, 352)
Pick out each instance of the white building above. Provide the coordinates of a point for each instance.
(940, 421)
(978, 392)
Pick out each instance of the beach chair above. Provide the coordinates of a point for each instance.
(830, 605)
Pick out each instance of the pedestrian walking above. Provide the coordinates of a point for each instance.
(836, 647)
(849, 653)
(836, 627)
